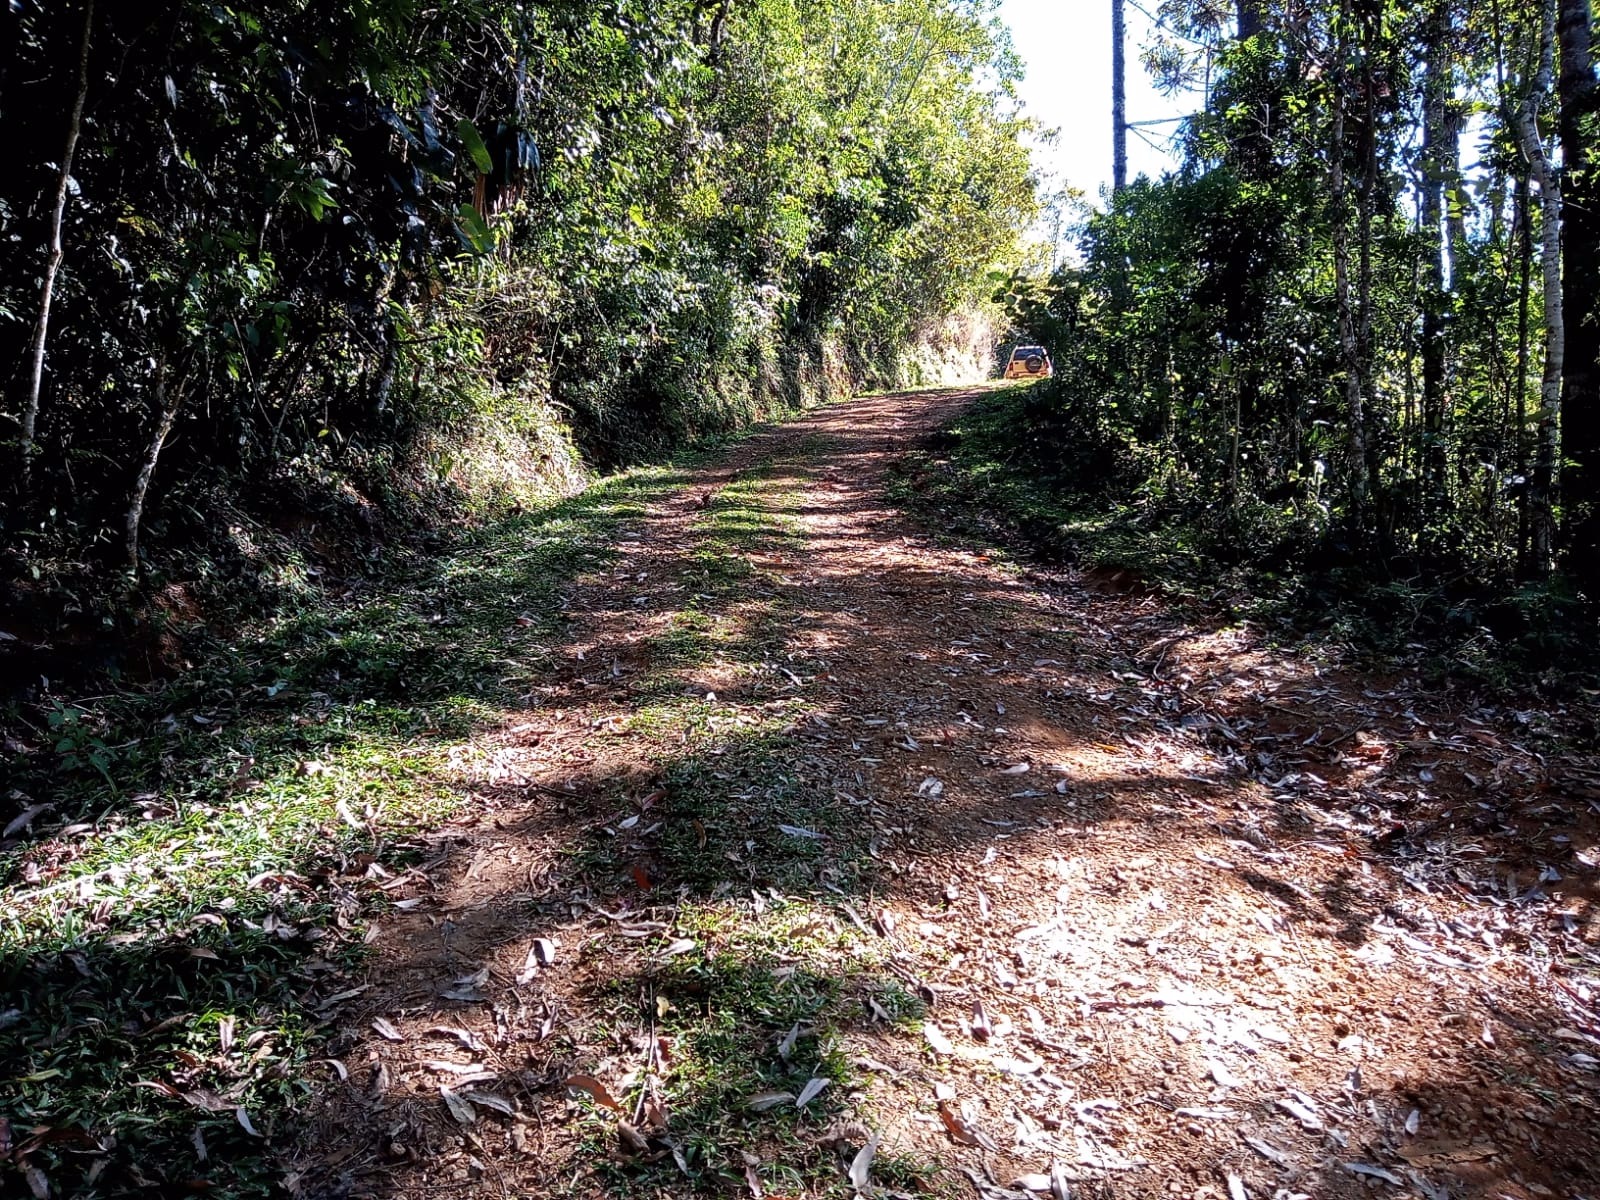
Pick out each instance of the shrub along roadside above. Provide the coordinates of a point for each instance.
(406, 255)
(1026, 469)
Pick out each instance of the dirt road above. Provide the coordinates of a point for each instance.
(833, 853)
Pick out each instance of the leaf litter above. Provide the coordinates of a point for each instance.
(1237, 885)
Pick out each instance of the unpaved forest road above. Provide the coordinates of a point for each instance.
(1141, 901)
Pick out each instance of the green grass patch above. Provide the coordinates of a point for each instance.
(751, 1016)
(731, 616)
(215, 842)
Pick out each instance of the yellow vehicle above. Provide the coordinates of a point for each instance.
(1029, 362)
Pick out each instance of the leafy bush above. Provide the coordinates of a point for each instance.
(414, 260)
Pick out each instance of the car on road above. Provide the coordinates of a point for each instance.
(1029, 362)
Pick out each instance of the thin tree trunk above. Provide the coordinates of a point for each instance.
(1238, 416)
(1541, 487)
(1580, 246)
(718, 26)
(1350, 350)
(141, 485)
(1371, 33)
(1119, 96)
(1459, 202)
(1524, 300)
(41, 328)
(1436, 135)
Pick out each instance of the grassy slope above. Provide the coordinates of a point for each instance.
(169, 942)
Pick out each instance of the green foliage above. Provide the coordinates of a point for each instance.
(76, 743)
(999, 473)
(1267, 355)
(342, 238)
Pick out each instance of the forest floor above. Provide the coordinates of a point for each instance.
(811, 850)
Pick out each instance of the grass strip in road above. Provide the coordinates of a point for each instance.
(765, 1011)
(764, 853)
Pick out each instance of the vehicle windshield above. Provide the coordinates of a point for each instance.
(1028, 352)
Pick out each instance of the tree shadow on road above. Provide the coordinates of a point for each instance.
(587, 867)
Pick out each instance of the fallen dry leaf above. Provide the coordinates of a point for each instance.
(982, 1030)
(962, 1130)
(1373, 1172)
(786, 1047)
(596, 1090)
(762, 1101)
(490, 1101)
(1300, 1112)
(861, 1165)
(460, 1108)
(1268, 1151)
(385, 1029)
(632, 1140)
(24, 819)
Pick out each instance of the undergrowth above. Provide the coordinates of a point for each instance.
(989, 475)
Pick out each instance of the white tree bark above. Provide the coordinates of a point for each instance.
(1541, 488)
(147, 469)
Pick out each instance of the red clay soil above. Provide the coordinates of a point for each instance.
(1191, 916)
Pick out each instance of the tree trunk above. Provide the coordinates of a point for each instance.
(1541, 487)
(1458, 200)
(1119, 97)
(41, 328)
(1349, 346)
(1580, 246)
(1524, 298)
(1436, 133)
(141, 485)
(1248, 16)
(1371, 35)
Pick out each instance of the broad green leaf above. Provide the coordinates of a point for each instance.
(473, 141)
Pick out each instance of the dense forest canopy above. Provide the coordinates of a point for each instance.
(296, 255)
(1356, 330)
